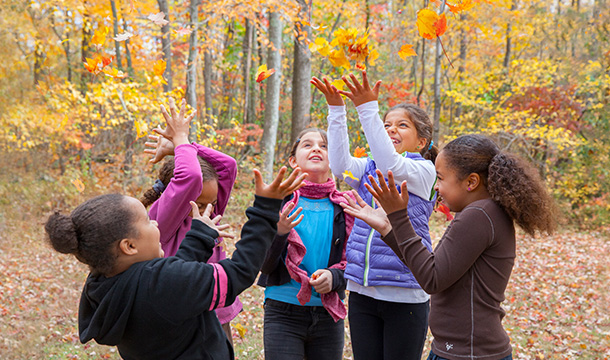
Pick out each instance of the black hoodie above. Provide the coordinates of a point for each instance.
(163, 308)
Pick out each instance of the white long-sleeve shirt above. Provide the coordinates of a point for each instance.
(420, 175)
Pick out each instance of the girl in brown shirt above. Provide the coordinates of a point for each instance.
(469, 269)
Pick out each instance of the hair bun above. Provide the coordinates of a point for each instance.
(62, 233)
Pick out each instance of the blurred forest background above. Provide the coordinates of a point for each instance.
(81, 82)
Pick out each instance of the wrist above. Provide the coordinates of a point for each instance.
(180, 140)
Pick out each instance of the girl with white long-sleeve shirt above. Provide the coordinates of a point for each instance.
(388, 310)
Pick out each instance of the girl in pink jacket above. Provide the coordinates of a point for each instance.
(196, 173)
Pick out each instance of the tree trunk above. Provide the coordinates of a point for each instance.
(508, 38)
(254, 88)
(301, 73)
(227, 84)
(191, 67)
(65, 44)
(247, 68)
(463, 53)
(437, 83)
(87, 32)
(207, 86)
(115, 27)
(127, 52)
(274, 61)
(166, 44)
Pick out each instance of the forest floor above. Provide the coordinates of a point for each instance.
(556, 302)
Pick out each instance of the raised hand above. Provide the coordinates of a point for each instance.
(160, 147)
(360, 93)
(212, 223)
(279, 189)
(330, 92)
(177, 129)
(375, 218)
(322, 281)
(287, 222)
(387, 195)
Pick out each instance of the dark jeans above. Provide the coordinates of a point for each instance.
(433, 356)
(384, 330)
(294, 332)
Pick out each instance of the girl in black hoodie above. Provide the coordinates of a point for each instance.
(152, 307)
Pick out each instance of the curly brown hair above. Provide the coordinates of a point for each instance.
(423, 125)
(166, 173)
(91, 231)
(511, 181)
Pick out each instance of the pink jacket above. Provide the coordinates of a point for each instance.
(172, 209)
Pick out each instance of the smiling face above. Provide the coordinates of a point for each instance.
(311, 156)
(402, 132)
(146, 233)
(452, 190)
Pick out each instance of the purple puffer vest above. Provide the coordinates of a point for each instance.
(379, 265)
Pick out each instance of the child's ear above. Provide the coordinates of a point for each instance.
(128, 247)
(473, 181)
(292, 161)
(421, 143)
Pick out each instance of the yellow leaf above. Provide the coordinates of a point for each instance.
(338, 59)
(321, 46)
(159, 67)
(262, 73)
(426, 19)
(406, 51)
(99, 37)
(241, 330)
(348, 175)
(339, 84)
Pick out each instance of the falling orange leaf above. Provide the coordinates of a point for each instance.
(99, 37)
(460, 6)
(115, 73)
(159, 67)
(241, 330)
(406, 51)
(445, 210)
(338, 59)
(348, 175)
(426, 20)
(360, 152)
(339, 84)
(262, 73)
(441, 25)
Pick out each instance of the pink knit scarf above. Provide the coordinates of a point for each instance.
(296, 250)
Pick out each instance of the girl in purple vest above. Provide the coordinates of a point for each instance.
(490, 190)
(195, 173)
(303, 269)
(388, 310)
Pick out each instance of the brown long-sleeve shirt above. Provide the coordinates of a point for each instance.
(466, 275)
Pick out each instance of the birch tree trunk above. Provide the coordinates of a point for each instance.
(166, 46)
(301, 73)
(191, 68)
(207, 86)
(272, 102)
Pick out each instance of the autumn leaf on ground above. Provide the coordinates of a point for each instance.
(78, 184)
(460, 6)
(406, 51)
(262, 73)
(183, 31)
(360, 152)
(122, 37)
(99, 37)
(158, 18)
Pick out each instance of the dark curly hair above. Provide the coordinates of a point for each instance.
(423, 125)
(511, 181)
(91, 231)
(166, 173)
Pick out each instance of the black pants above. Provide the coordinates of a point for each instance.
(384, 330)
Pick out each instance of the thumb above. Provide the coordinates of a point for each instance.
(377, 87)
(258, 179)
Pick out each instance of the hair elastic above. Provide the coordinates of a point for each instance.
(430, 146)
(159, 186)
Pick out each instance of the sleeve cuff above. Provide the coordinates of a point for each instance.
(400, 219)
(368, 106)
(335, 109)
